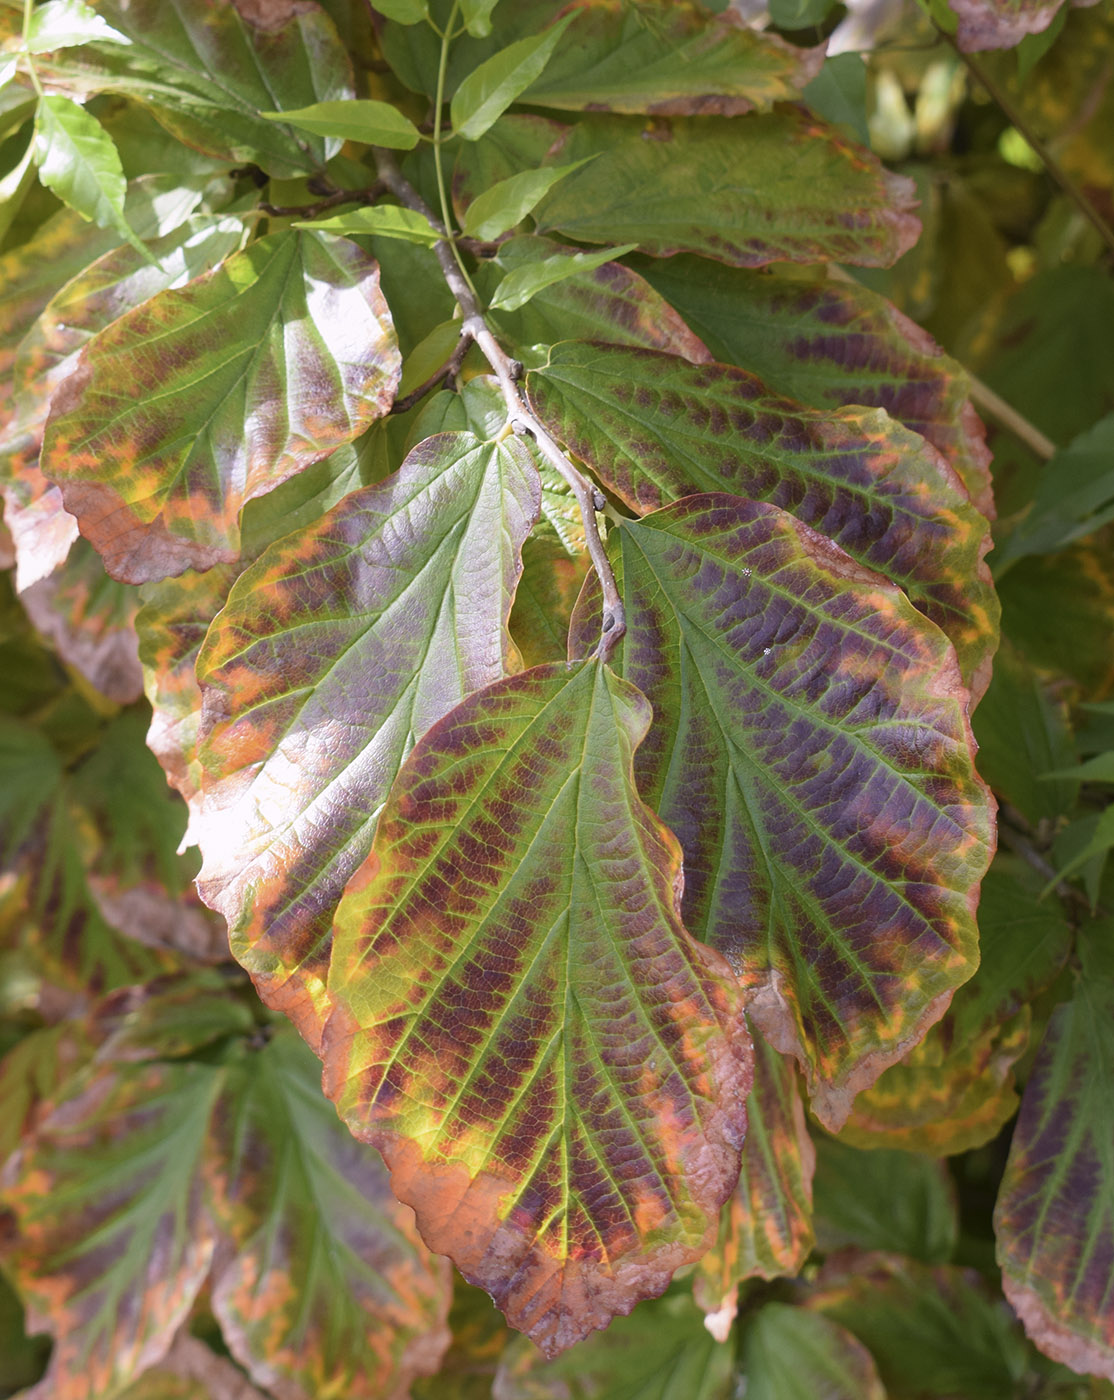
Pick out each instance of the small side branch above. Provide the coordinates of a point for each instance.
(449, 370)
(522, 419)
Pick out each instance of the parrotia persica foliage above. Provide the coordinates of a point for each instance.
(563, 629)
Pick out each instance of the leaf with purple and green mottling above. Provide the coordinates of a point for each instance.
(206, 69)
(932, 1330)
(259, 369)
(664, 57)
(955, 1090)
(772, 187)
(791, 1354)
(766, 1227)
(660, 1352)
(609, 303)
(654, 428)
(337, 649)
(553, 1069)
(813, 755)
(831, 344)
(1000, 24)
(331, 1290)
(112, 1239)
(1054, 1221)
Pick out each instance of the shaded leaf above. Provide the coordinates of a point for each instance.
(668, 57)
(766, 1226)
(932, 1331)
(331, 1290)
(1054, 1221)
(207, 69)
(780, 186)
(829, 344)
(335, 651)
(791, 1354)
(658, 1353)
(265, 365)
(654, 428)
(113, 1239)
(487, 92)
(554, 1071)
(544, 600)
(833, 827)
(371, 123)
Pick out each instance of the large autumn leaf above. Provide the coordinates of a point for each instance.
(340, 646)
(813, 755)
(655, 428)
(330, 1291)
(207, 68)
(1054, 1221)
(208, 395)
(554, 1070)
(113, 1239)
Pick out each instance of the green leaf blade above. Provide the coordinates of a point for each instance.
(523, 283)
(553, 1069)
(77, 160)
(487, 92)
(509, 201)
(359, 119)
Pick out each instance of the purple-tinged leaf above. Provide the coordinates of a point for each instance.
(553, 1069)
(654, 428)
(260, 368)
(339, 647)
(766, 1227)
(206, 69)
(1001, 24)
(1054, 1221)
(774, 187)
(112, 1239)
(813, 755)
(331, 1289)
(829, 345)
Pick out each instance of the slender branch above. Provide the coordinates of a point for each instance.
(448, 370)
(1049, 161)
(1014, 831)
(523, 421)
(985, 399)
(330, 201)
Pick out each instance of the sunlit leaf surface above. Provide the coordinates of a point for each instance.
(554, 1071)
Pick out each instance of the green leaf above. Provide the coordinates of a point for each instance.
(508, 202)
(883, 1199)
(477, 16)
(112, 1239)
(554, 1071)
(932, 1331)
(766, 1226)
(828, 807)
(208, 70)
(60, 24)
(331, 1288)
(77, 160)
(387, 220)
(334, 652)
(543, 602)
(838, 94)
(767, 187)
(799, 14)
(487, 92)
(371, 123)
(660, 1352)
(263, 367)
(403, 11)
(666, 57)
(655, 428)
(791, 1354)
(524, 282)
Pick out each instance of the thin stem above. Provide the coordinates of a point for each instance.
(522, 419)
(438, 113)
(448, 370)
(1051, 164)
(330, 201)
(994, 406)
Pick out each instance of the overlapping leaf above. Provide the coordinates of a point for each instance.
(791, 1354)
(554, 1071)
(812, 754)
(654, 428)
(207, 68)
(774, 187)
(1054, 1222)
(262, 367)
(830, 344)
(114, 1239)
(766, 1226)
(1000, 24)
(331, 1290)
(955, 1089)
(335, 651)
